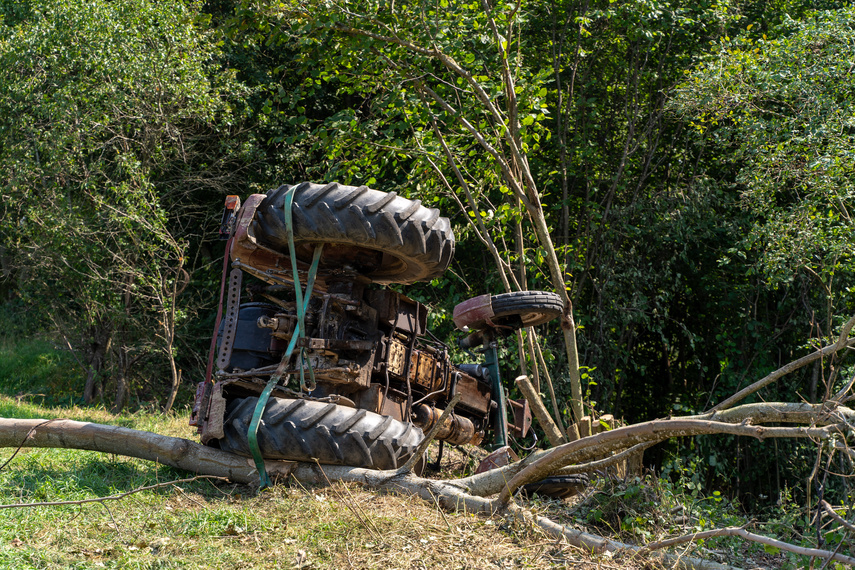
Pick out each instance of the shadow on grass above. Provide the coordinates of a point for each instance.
(11, 407)
(63, 474)
(39, 369)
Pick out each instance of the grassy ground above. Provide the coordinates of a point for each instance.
(207, 525)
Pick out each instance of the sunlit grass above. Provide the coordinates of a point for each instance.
(203, 524)
(206, 524)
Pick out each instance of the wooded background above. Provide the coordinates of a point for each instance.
(693, 161)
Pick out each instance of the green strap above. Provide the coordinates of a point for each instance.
(500, 425)
(252, 435)
(299, 332)
(302, 304)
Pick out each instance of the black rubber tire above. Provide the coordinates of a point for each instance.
(415, 242)
(558, 487)
(526, 308)
(302, 430)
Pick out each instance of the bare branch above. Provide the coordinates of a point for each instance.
(512, 180)
(482, 231)
(741, 532)
(657, 430)
(590, 448)
(842, 342)
(604, 463)
(593, 543)
(172, 451)
(553, 434)
(786, 412)
(533, 335)
(843, 522)
(23, 441)
(420, 450)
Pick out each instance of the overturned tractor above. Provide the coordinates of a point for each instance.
(315, 359)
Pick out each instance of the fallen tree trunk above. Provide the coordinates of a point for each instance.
(607, 442)
(191, 456)
(173, 451)
(591, 447)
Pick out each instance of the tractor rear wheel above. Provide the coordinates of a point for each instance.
(383, 236)
(304, 430)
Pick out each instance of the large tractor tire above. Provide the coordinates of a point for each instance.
(386, 238)
(526, 308)
(303, 430)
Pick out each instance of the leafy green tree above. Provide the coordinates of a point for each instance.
(435, 94)
(769, 110)
(487, 107)
(638, 209)
(114, 123)
(779, 112)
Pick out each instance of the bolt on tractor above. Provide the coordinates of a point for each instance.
(313, 358)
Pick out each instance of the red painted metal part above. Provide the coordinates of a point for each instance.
(246, 250)
(473, 312)
(499, 458)
(522, 417)
(244, 244)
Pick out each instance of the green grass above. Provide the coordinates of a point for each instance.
(203, 524)
(222, 526)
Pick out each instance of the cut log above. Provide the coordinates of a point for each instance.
(553, 434)
(173, 451)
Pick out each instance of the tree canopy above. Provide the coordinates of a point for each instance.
(115, 129)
